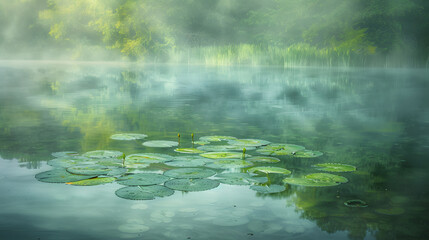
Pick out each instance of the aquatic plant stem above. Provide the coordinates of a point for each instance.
(178, 137)
(244, 154)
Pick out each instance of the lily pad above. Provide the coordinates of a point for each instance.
(223, 155)
(60, 176)
(160, 144)
(93, 181)
(268, 189)
(308, 182)
(201, 142)
(143, 193)
(280, 149)
(239, 179)
(229, 163)
(186, 163)
(65, 162)
(189, 173)
(263, 159)
(188, 150)
(335, 167)
(65, 154)
(356, 203)
(248, 142)
(216, 138)
(141, 179)
(188, 184)
(89, 170)
(224, 148)
(326, 177)
(269, 169)
(191, 158)
(128, 136)
(103, 154)
(148, 158)
(307, 154)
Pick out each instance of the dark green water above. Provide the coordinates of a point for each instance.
(374, 119)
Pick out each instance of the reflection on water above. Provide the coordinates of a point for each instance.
(377, 120)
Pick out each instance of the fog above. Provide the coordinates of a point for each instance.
(382, 33)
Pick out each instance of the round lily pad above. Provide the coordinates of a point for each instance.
(143, 193)
(307, 154)
(89, 170)
(93, 181)
(191, 158)
(356, 203)
(186, 163)
(326, 177)
(128, 136)
(65, 162)
(224, 148)
(148, 158)
(201, 142)
(263, 159)
(188, 150)
(308, 182)
(248, 142)
(103, 154)
(65, 154)
(335, 167)
(142, 179)
(160, 144)
(268, 189)
(239, 179)
(189, 173)
(110, 162)
(223, 155)
(269, 169)
(189, 184)
(229, 163)
(216, 138)
(280, 149)
(60, 176)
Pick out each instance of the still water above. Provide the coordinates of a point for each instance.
(374, 119)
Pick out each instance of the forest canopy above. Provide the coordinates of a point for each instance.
(219, 32)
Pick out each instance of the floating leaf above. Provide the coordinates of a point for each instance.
(160, 144)
(128, 136)
(89, 170)
(148, 158)
(65, 154)
(186, 163)
(223, 155)
(191, 158)
(142, 179)
(263, 159)
(280, 149)
(103, 154)
(188, 184)
(335, 167)
(110, 162)
(307, 154)
(355, 203)
(248, 142)
(65, 162)
(189, 173)
(223, 148)
(143, 193)
(326, 177)
(93, 181)
(229, 163)
(268, 189)
(239, 179)
(201, 142)
(308, 182)
(188, 150)
(59, 176)
(216, 138)
(269, 169)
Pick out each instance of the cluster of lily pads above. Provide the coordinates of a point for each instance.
(189, 169)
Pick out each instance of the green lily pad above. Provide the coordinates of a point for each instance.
(142, 179)
(136, 165)
(128, 136)
(239, 179)
(186, 163)
(280, 149)
(263, 159)
(189, 173)
(60, 176)
(148, 158)
(188, 150)
(356, 203)
(93, 181)
(103, 154)
(229, 163)
(201, 142)
(224, 148)
(308, 182)
(268, 189)
(160, 144)
(248, 142)
(335, 167)
(216, 138)
(189, 184)
(65, 154)
(191, 158)
(89, 170)
(143, 193)
(223, 155)
(65, 162)
(326, 177)
(110, 162)
(307, 154)
(269, 169)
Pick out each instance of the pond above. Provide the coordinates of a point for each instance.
(312, 153)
